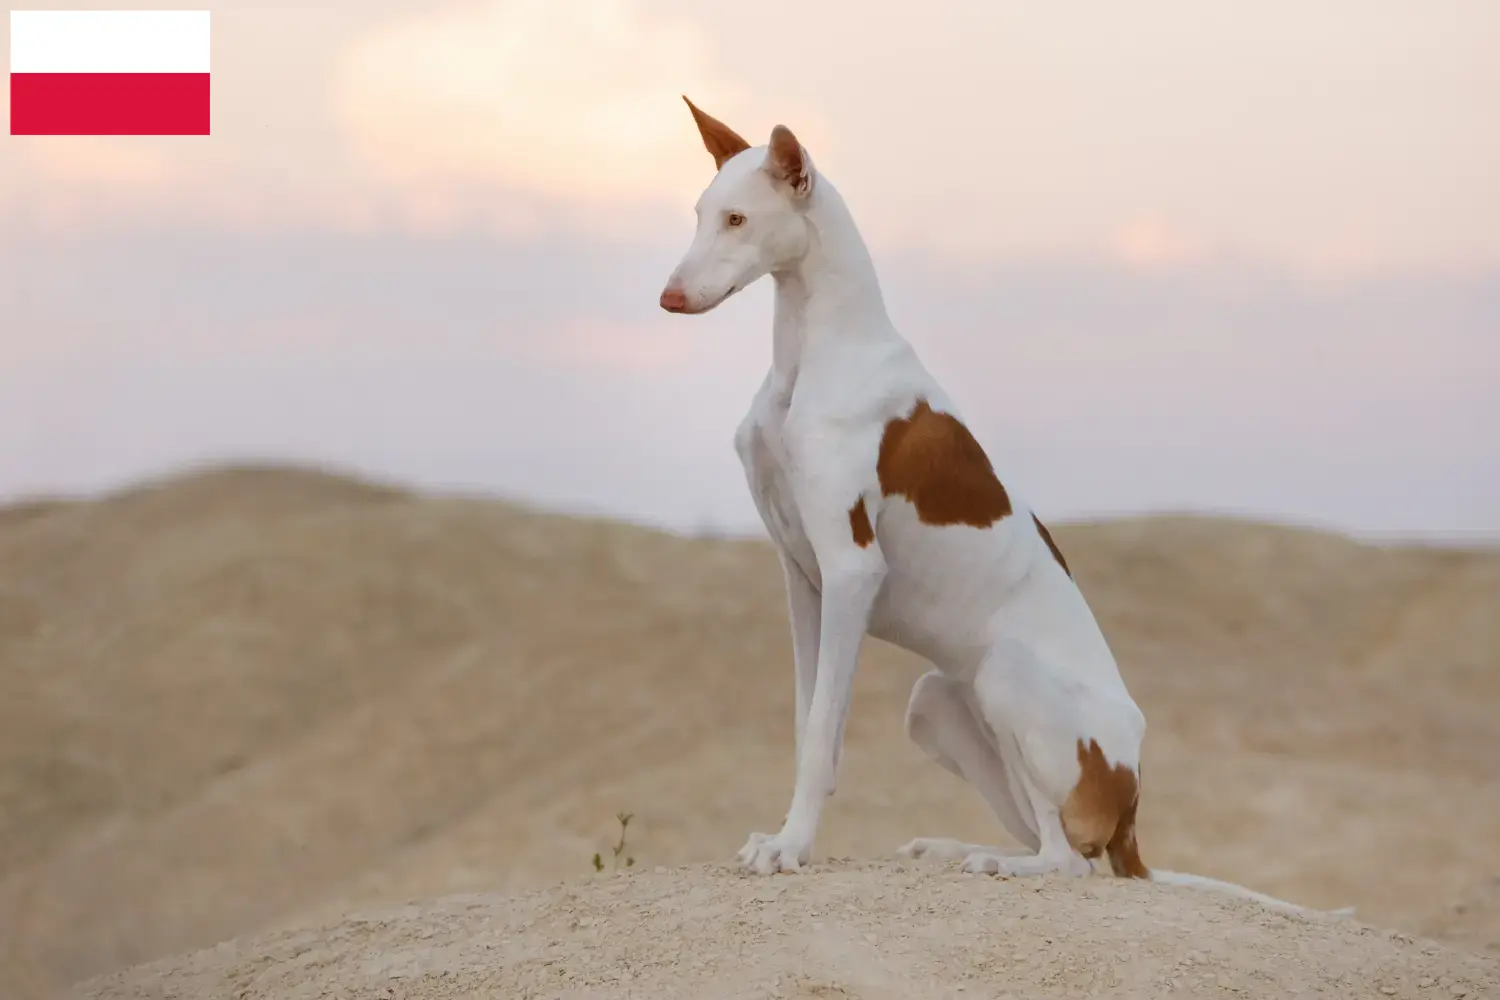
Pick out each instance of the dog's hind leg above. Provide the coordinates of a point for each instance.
(1076, 752)
(940, 719)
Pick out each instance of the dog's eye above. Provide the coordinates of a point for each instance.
(734, 219)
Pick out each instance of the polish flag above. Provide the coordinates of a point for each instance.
(109, 72)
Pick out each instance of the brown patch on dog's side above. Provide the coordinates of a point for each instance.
(1099, 815)
(721, 141)
(859, 524)
(1056, 552)
(932, 460)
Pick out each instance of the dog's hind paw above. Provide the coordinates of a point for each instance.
(987, 861)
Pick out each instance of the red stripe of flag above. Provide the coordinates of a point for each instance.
(109, 104)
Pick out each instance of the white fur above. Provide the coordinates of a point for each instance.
(1023, 671)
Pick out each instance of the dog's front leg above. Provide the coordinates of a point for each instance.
(851, 577)
(805, 612)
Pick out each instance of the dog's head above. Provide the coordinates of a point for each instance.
(751, 217)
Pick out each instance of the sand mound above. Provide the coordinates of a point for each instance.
(255, 698)
(1473, 919)
(841, 930)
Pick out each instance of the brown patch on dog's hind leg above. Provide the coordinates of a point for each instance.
(1124, 853)
(1099, 815)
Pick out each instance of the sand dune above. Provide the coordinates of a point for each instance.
(842, 931)
(249, 700)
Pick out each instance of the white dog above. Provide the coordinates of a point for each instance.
(889, 520)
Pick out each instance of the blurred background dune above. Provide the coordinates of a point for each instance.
(246, 697)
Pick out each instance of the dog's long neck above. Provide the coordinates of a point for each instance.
(832, 291)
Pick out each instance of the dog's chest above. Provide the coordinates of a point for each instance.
(761, 445)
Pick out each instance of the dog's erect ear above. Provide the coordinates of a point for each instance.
(788, 162)
(719, 139)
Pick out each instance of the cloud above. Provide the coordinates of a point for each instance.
(576, 100)
(81, 161)
(977, 131)
(61, 181)
(520, 117)
(1153, 245)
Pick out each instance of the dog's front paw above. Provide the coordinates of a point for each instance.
(766, 854)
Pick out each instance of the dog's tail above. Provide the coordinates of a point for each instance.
(1085, 826)
(1125, 861)
(1229, 888)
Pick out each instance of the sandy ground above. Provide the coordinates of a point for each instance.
(241, 703)
(879, 933)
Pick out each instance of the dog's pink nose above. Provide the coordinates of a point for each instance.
(673, 300)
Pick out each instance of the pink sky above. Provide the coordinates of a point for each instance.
(1180, 253)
